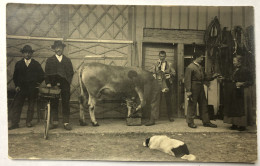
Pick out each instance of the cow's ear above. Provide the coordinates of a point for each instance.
(131, 74)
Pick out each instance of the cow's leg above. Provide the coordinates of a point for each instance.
(82, 102)
(92, 104)
(129, 111)
(129, 107)
(140, 93)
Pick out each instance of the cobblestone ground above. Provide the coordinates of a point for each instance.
(207, 147)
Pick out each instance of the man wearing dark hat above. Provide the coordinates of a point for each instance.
(194, 80)
(61, 67)
(28, 74)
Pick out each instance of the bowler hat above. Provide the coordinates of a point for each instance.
(57, 43)
(27, 48)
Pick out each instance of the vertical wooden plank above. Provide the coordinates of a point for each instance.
(202, 18)
(166, 17)
(140, 24)
(184, 17)
(193, 23)
(64, 14)
(145, 8)
(197, 20)
(180, 15)
(180, 77)
(175, 17)
(249, 16)
(225, 17)
(130, 57)
(237, 16)
(212, 13)
(231, 16)
(149, 17)
(157, 17)
(243, 17)
(153, 16)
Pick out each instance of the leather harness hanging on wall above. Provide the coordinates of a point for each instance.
(212, 39)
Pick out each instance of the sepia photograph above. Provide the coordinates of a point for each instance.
(139, 83)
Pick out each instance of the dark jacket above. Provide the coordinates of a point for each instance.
(233, 96)
(28, 77)
(195, 73)
(51, 68)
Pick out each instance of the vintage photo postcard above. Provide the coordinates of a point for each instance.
(153, 83)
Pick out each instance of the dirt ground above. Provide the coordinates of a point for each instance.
(207, 147)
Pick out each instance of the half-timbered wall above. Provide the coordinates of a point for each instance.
(91, 33)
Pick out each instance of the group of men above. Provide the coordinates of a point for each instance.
(195, 78)
(28, 74)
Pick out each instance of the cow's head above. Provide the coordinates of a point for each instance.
(161, 76)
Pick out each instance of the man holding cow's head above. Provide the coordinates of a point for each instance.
(194, 80)
(164, 74)
(59, 72)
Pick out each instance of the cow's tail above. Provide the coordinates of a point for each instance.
(83, 89)
(82, 99)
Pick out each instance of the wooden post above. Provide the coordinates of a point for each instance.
(130, 35)
(180, 78)
(64, 22)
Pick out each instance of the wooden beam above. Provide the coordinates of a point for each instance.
(32, 38)
(173, 36)
(101, 41)
(70, 40)
(180, 77)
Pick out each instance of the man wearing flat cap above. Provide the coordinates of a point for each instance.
(28, 74)
(59, 72)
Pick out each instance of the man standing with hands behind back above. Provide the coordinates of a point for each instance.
(59, 72)
(194, 80)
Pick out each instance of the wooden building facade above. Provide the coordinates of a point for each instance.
(116, 35)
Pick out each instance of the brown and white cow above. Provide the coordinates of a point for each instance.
(99, 80)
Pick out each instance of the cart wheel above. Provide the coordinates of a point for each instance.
(47, 120)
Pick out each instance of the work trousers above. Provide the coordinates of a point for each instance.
(198, 96)
(156, 93)
(168, 99)
(16, 109)
(65, 102)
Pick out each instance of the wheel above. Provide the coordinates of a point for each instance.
(47, 117)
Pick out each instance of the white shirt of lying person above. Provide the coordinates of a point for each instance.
(27, 62)
(59, 57)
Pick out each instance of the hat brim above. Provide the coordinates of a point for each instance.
(23, 51)
(54, 46)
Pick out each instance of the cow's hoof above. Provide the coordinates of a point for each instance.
(95, 124)
(81, 123)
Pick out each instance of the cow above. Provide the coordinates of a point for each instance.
(98, 81)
